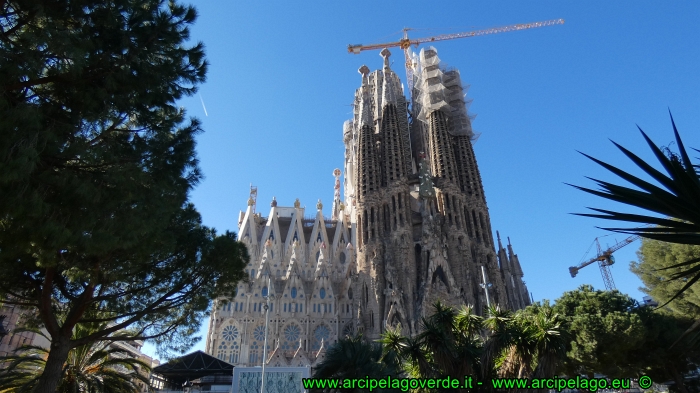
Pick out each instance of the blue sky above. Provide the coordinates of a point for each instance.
(281, 83)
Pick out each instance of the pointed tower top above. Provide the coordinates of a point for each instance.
(297, 204)
(274, 202)
(319, 205)
(385, 53)
(498, 235)
(251, 201)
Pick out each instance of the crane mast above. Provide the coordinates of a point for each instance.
(605, 260)
(405, 43)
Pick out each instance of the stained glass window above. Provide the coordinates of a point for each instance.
(222, 351)
(259, 333)
(321, 333)
(322, 293)
(235, 352)
(230, 333)
(253, 357)
(348, 330)
(294, 292)
(291, 337)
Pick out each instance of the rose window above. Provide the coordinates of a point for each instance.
(322, 333)
(230, 333)
(259, 333)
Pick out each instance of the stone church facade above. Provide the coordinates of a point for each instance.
(412, 228)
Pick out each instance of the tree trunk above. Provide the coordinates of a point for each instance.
(54, 366)
(678, 378)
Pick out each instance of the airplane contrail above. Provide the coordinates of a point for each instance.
(205, 108)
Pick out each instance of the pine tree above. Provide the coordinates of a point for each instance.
(96, 164)
(655, 258)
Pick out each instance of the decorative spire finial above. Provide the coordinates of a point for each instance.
(385, 53)
(251, 202)
(274, 202)
(319, 205)
(364, 71)
(297, 204)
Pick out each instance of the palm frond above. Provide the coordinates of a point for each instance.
(677, 201)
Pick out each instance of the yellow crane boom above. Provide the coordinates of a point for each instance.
(405, 43)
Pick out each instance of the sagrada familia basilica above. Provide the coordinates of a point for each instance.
(412, 228)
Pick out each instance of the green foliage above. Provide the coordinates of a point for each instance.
(654, 259)
(93, 367)
(523, 344)
(604, 330)
(677, 200)
(355, 358)
(611, 334)
(96, 166)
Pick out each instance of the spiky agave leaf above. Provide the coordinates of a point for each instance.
(677, 200)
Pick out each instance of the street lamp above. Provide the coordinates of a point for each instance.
(486, 286)
(268, 297)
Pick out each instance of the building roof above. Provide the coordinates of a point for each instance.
(191, 366)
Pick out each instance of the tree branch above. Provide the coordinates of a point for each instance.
(45, 310)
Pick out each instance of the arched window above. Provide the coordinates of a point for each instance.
(264, 291)
(294, 292)
(341, 257)
(322, 293)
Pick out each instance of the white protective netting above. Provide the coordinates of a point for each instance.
(438, 88)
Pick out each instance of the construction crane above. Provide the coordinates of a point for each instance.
(405, 43)
(605, 260)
